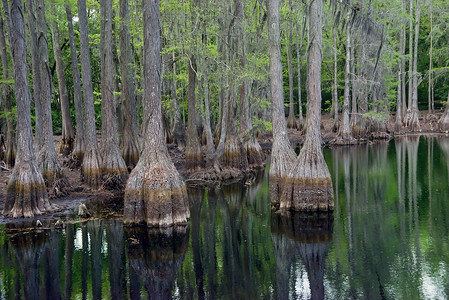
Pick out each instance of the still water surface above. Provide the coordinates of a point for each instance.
(387, 238)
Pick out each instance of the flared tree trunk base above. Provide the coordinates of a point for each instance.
(300, 124)
(67, 146)
(308, 186)
(291, 122)
(194, 159)
(91, 171)
(443, 123)
(26, 194)
(412, 122)
(155, 194)
(130, 152)
(234, 155)
(10, 156)
(343, 139)
(51, 168)
(254, 153)
(115, 171)
(79, 148)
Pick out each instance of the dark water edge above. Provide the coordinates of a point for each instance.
(388, 238)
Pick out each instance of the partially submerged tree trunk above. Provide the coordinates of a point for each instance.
(344, 136)
(79, 146)
(291, 120)
(10, 155)
(68, 133)
(130, 145)
(91, 167)
(282, 154)
(47, 158)
(308, 185)
(155, 193)
(114, 167)
(26, 195)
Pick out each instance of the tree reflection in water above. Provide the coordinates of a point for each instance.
(155, 256)
(307, 235)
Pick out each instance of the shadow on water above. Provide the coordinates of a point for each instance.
(307, 236)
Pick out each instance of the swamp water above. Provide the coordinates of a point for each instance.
(387, 238)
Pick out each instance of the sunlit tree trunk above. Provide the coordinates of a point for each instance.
(282, 154)
(401, 78)
(68, 133)
(155, 193)
(130, 145)
(298, 67)
(91, 168)
(430, 91)
(6, 91)
(26, 195)
(79, 146)
(308, 185)
(335, 85)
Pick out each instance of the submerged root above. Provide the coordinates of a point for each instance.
(155, 194)
(91, 172)
(26, 195)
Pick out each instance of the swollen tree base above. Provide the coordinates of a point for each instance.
(155, 194)
(91, 171)
(291, 122)
(343, 139)
(413, 120)
(443, 123)
(51, 169)
(254, 153)
(130, 152)
(308, 187)
(234, 155)
(26, 195)
(114, 168)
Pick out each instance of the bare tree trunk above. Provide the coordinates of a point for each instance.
(308, 185)
(413, 113)
(113, 164)
(26, 195)
(91, 170)
(10, 156)
(410, 62)
(193, 149)
(401, 77)
(335, 86)
(130, 145)
(282, 154)
(68, 133)
(444, 120)
(179, 133)
(79, 146)
(354, 86)
(47, 158)
(345, 133)
(35, 72)
(155, 193)
(298, 67)
(250, 144)
(430, 92)
(291, 120)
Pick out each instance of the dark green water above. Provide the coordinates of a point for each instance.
(387, 238)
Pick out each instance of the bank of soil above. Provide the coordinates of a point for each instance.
(95, 200)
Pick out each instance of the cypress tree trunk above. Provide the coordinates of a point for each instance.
(308, 185)
(113, 163)
(35, 72)
(155, 193)
(130, 146)
(298, 67)
(179, 133)
(47, 158)
(79, 146)
(335, 86)
(291, 121)
(344, 134)
(26, 195)
(413, 112)
(193, 149)
(401, 77)
(444, 120)
(10, 156)
(91, 167)
(282, 154)
(68, 133)
(250, 144)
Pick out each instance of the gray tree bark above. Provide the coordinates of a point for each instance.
(155, 193)
(26, 195)
(130, 145)
(68, 133)
(298, 67)
(308, 185)
(79, 146)
(91, 170)
(113, 164)
(291, 121)
(47, 158)
(282, 154)
(10, 155)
